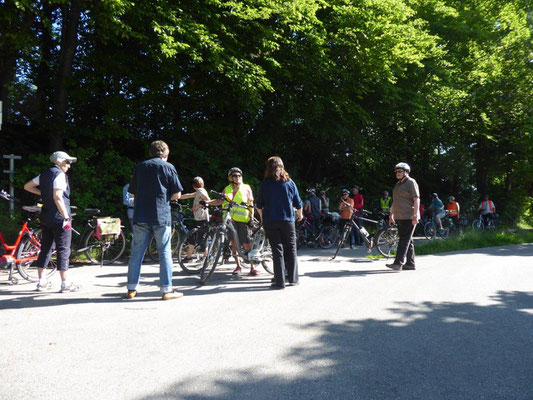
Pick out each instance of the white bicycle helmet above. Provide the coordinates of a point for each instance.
(232, 170)
(403, 166)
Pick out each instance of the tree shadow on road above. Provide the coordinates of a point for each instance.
(424, 351)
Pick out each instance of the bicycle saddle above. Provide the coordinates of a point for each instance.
(92, 211)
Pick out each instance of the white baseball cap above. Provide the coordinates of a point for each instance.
(62, 156)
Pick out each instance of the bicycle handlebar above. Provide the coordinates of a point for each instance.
(6, 196)
(222, 196)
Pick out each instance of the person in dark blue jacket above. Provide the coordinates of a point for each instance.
(277, 200)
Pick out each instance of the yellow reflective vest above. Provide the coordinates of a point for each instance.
(238, 214)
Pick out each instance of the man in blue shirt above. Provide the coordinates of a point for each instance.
(154, 184)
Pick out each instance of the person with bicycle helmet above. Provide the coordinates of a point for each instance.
(405, 214)
(239, 192)
(438, 209)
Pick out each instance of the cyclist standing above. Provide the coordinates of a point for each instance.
(487, 209)
(385, 202)
(201, 214)
(358, 205)
(53, 187)
(405, 213)
(324, 202)
(313, 207)
(239, 192)
(346, 211)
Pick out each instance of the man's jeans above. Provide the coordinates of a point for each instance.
(141, 238)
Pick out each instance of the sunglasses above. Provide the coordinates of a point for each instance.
(236, 176)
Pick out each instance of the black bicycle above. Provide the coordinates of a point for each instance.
(325, 236)
(260, 251)
(385, 240)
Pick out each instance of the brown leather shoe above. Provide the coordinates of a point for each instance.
(171, 295)
(131, 294)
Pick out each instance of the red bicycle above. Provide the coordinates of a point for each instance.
(26, 248)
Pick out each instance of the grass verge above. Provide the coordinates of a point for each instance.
(475, 240)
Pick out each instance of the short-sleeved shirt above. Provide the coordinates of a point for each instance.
(403, 196)
(153, 182)
(60, 182)
(438, 206)
(278, 200)
(201, 214)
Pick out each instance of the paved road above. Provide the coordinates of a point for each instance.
(460, 327)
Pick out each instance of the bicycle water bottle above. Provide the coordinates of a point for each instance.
(364, 232)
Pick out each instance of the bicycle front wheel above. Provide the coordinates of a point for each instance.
(111, 247)
(386, 242)
(198, 239)
(345, 233)
(266, 255)
(211, 261)
(430, 230)
(28, 251)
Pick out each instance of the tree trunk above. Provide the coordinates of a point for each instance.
(69, 33)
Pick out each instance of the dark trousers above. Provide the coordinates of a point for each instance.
(55, 234)
(282, 238)
(405, 254)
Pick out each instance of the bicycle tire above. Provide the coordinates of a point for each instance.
(301, 237)
(386, 242)
(345, 233)
(175, 240)
(213, 255)
(114, 248)
(430, 230)
(29, 248)
(478, 225)
(266, 255)
(200, 244)
(328, 237)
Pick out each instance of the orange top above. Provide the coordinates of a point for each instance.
(452, 209)
(345, 211)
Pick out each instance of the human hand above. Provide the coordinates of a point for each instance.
(67, 224)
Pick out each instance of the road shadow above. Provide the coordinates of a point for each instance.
(425, 351)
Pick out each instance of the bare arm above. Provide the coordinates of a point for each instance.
(416, 210)
(32, 187)
(188, 196)
(175, 196)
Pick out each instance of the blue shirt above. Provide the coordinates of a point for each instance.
(153, 182)
(278, 200)
(437, 206)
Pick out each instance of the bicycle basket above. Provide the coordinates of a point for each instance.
(107, 226)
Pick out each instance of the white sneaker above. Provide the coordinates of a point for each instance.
(43, 287)
(69, 288)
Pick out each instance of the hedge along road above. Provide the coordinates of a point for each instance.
(459, 327)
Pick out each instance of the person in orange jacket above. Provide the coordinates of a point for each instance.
(453, 210)
(487, 209)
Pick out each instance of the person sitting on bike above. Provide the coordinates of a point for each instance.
(487, 209)
(201, 213)
(438, 209)
(313, 208)
(453, 210)
(239, 192)
(346, 211)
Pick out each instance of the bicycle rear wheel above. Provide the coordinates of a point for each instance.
(110, 246)
(386, 242)
(213, 256)
(328, 237)
(345, 234)
(198, 238)
(175, 241)
(430, 230)
(477, 225)
(28, 251)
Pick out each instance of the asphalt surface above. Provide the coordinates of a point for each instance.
(459, 327)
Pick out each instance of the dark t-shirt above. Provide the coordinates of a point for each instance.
(153, 182)
(278, 199)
